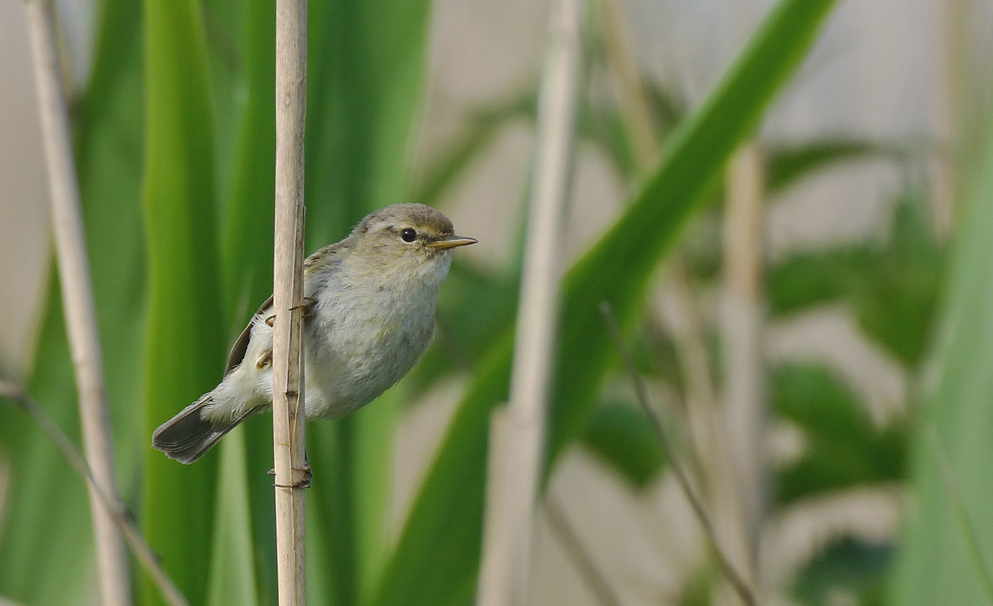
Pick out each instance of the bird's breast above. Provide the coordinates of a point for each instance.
(359, 343)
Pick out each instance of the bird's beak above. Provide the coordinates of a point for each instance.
(451, 242)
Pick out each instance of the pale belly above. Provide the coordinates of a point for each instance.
(351, 361)
(354, 355)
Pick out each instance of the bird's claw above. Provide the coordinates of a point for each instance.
(307, 306)
(304, 482)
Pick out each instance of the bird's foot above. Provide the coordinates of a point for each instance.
(304, 482)
(307, 306)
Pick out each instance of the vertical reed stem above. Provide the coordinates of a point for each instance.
(744, 359)
(518, 443)
(288, 396)
(77, 301)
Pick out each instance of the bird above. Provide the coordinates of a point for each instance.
(369, 314)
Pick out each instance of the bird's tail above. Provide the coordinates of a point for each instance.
(186, 437)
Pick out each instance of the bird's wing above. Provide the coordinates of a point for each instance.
(241, 345)
(312, 263)
(321, 258)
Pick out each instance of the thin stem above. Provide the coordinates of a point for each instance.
(77, 301)
(513, 486)
(119, 513)
(292, 472)
(741, 587)
(635, 113)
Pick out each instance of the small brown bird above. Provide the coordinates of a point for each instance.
(369, 316)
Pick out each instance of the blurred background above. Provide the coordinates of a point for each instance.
(813, 331)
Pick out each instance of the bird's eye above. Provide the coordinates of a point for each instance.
(408, 235)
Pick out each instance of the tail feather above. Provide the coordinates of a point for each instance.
(186, 437)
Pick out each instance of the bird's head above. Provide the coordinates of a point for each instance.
(407, 241)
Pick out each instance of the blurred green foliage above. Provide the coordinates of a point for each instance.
(843, 449)
(892, 285)
(619, 435)
(846, 567)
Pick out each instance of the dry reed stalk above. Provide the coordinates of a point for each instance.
(288, 371)
(946, 95)
(77, 301)
(518, 441)
(742, 327)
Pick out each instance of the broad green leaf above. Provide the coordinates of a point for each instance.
(348, 509)
(952, 443)
(184, 323)
(895, 302)
(843, 447)
(436, 559)
(807, 279)
(232, 574)
(234, 36)
(786, 165)
(622, 436)
(47, 526)
(247, 227)
(366, 73)
(243, 44)
(694, 159)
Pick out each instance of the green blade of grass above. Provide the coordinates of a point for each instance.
(246, 262)
(694, 159)
(937, 564)
(184, 324)
(437, 556)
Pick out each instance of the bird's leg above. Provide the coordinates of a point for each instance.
(307, 306)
